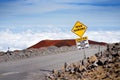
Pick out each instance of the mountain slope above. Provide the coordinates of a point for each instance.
(60, 43)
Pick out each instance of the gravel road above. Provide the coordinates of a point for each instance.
(35, 68)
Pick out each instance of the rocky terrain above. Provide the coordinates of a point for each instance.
(34, 63)
(36, 67)
(101, 66)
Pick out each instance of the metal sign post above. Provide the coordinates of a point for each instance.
(84, 54)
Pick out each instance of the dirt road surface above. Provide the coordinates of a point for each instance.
(37, 67)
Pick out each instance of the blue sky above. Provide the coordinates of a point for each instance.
(54, 19)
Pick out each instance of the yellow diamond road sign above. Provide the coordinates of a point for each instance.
(79, 29)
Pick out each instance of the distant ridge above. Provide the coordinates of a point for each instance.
(60, 43)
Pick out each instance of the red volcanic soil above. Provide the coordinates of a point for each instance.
(95, 42)
(60, 43)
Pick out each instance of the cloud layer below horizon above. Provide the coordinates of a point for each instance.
(16, 41)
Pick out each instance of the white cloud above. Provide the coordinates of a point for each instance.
(25, 39)
(104, 36)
